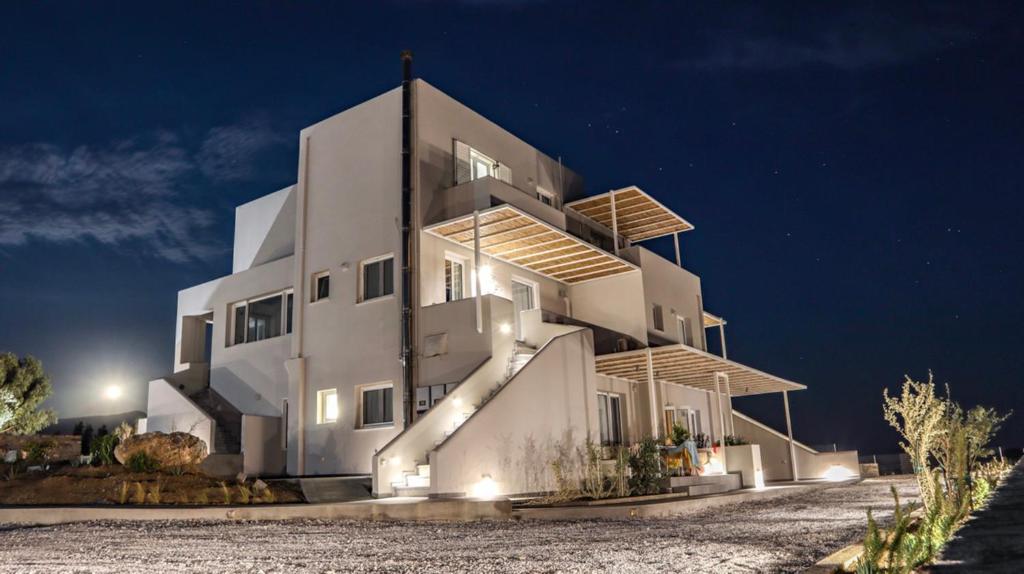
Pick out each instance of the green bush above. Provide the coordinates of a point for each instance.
(679, 435)
(645, 464)
(102, 449)
(142, 462)
(733, 440)
(39, 451)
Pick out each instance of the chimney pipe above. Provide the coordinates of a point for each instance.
(408, 239)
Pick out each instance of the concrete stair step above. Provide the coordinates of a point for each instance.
(412, 491)
(336, 488)
(423, 470)
(415, 481)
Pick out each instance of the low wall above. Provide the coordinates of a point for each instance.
(171, 411)
(810, 464)
(262, 448)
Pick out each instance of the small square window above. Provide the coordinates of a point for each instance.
(377, 405)
(326, 406)
(321, 286)
(378, 278)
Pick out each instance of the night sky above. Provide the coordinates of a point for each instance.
(854, 174)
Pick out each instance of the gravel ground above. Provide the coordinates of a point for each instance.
(777, 535)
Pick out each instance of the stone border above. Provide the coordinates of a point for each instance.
(462, 510)
(659, 506)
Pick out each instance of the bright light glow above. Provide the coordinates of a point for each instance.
(112, 392)
(836, 473)
(714, 466)
(457, 401)
(505, 328)
(759, 479)
(486, 488)
(487, 284)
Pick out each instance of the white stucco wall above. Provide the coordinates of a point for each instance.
(170, 411)
(613, 302)
(514, 437)
(264, 230)
(675, 289)
(348, 205)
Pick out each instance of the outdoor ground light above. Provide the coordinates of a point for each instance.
(486, 488)
(836, 473)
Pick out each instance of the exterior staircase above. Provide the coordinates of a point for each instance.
(417, 483)
(227, 435)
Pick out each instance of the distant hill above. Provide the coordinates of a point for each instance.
(67, 424)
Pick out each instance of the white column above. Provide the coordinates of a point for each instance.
(476, 272)
(679, 258)
(789, 433)
(728, 400)
(615, 223)
(721, 422)
(652, 395)
(721, 337)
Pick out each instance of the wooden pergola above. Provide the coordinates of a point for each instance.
(685, 365)
(631, 213)
(513, 236)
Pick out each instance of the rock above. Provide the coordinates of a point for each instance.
(241, 477)
(259, 486)
(176, 449)
(11, 456)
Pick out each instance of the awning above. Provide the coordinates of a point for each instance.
(712, 320)
(638, 216)
(511, 235)
(692, 367)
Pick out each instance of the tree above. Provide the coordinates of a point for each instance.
(103, 431)
(87, 439)
(917, 414)
(79, 428)
(23, 388)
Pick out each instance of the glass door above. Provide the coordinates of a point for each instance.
(523, 299)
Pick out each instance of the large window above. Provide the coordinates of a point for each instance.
(377, 405)
(454, 278)
(378, 277)
(609, 413)
(686, 331)
(481, 165)
(326, 406)
(260, 318)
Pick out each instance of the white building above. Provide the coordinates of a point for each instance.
(536, 318)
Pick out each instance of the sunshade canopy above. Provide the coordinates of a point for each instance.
(511, 235)
(638, 216)
(684, 365)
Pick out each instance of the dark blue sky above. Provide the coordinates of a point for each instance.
(853, 173)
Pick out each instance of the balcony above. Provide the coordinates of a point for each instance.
(485, 193)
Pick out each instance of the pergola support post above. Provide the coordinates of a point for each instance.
(679, 258)
(652, 395)
(615, 223)
(476, 272)
(721, 418)
(789, 433)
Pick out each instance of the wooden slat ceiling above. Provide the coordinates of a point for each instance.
(712, 320)
(692, 367)
(508, 234)
(637, 215)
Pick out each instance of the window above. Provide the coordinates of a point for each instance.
(454, 278)
(686, 417)
(321, 286)
(288, 321)
(377, 278)
(470, 164)
(545, 197)
(659, 318)
(609, 418)
(260, 318)
(264, 319)
(326, 406)
(686, 331)
(377, 405)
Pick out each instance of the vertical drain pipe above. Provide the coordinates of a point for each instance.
(407, 241)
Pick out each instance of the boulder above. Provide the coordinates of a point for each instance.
(169, 450)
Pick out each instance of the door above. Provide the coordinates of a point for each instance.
(524, 298)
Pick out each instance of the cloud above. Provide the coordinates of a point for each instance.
(139, 194)
(850, 40)
(227, 153)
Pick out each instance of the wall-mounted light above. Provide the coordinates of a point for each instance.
(505, 328)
